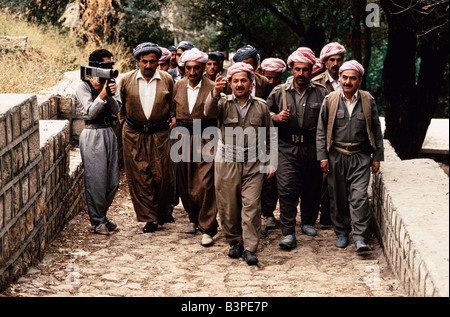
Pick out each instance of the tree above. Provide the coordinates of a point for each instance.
(418, 33)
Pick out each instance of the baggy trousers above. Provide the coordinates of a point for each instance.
(196, 186)
(238, 192)
(99, 154)
(298, 176)
(149, 172)
(348, 181)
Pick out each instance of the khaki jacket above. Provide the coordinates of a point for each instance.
(324, 80)
(226, 111)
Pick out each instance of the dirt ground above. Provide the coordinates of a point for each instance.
(170, 263)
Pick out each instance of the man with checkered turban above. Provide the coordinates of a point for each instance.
(295, 108)
(349, 146)
(195, 178)
(332, 56)
(146, 95)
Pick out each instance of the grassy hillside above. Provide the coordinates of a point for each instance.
(48, 56)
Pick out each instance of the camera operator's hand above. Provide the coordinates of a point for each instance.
(102, 88)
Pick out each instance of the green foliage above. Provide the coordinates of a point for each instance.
(141, 22)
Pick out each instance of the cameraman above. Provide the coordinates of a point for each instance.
(99, 101)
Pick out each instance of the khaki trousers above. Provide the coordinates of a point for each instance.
(238, 193)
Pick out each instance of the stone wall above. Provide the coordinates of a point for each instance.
(410, 200)
(38, 192)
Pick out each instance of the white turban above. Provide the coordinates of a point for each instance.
(352, 65)
(240, 67)
(193, 55)
(331, 49)
(302, 55)
(275, 65)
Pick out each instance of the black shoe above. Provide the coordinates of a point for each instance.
(150, 227)
(250, 257)
(110, 225)
(236, 251)
(169, 217)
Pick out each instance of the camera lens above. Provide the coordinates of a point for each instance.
(114, 73)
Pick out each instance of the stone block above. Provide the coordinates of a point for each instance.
(1, 211)
(17, 203)
(34, 145)
(34, 181)
(25, 183)
(25, 152)
(7, 169)
(17, 159)
(30, 217)
(65, 105)
(3, 140)
(16, 123)
(26, 116)
(8, 207)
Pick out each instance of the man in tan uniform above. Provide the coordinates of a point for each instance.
(239, 171)
(146, 94)
(195, 177)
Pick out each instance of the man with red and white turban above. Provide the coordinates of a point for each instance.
(195, 177)
(273, 69)
(332, 56)
(349, 146)
(178, 72)
(295, 110)
(163, 63)
(239, 170)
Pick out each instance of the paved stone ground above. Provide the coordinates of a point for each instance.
(170, 263)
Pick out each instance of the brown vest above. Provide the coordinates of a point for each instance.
(332, 106)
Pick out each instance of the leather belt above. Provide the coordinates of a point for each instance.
(299, 138)
(100, 123)
(146, 127)
(348, 148)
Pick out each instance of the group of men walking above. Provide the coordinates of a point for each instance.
(231, 144)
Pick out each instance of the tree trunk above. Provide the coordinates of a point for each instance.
(410, 106)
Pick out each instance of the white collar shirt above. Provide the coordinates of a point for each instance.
(334, 83)
(351, 103)
(147, 92)
(192, 93)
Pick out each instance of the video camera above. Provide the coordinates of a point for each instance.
(101, 71)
